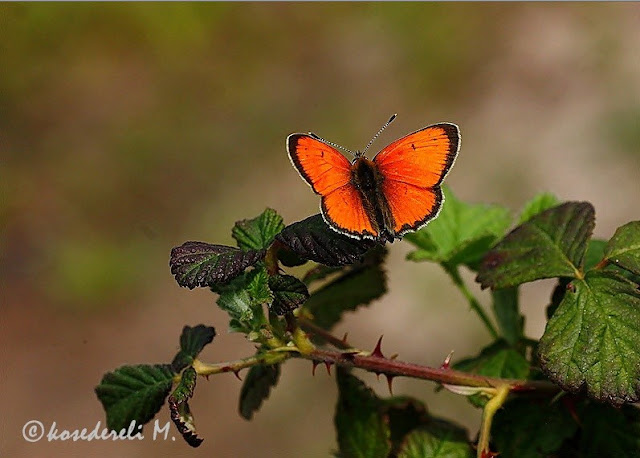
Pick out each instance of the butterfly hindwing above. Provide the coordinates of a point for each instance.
(328, 173)
(413, 168)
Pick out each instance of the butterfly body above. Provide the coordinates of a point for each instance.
(384, 198)
(366, 178)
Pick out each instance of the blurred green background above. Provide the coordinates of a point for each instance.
(127, 129)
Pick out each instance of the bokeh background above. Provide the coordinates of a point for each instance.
(127, 129)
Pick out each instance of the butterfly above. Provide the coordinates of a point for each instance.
(397, 192)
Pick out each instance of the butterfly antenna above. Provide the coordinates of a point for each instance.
(386, 124)
(335, 145)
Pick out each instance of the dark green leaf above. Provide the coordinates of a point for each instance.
(550, 244)
(257, 233)
(404, 414)
(538, 204)
(288, 293)
(179, 407)
(505, 307)
(312, 239)
(496, 360)
(461, 234)
(192, 341)
(202, 264)
(608, 431)
(356, 286)
(437, 439)
(288, 257)
(526, 428)
(593, 339)
(624, 247)
(134, 393)
(257, 387)
(362, 429)
(594, 254)
(243, 298)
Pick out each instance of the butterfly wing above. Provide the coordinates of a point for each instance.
(328, 173)
(413, 169)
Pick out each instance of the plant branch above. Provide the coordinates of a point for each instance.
(377, 363)
(393, 367)
(272, 357)
(454, 273)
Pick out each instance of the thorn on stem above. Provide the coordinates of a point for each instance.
(377, 352)
(328, 366)
(237, 374)
(447, 361)
(389, 382)
(313, 369)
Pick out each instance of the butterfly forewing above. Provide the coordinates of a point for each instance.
(321, 165)
(413, 169)
(422, 158)
(328, 173)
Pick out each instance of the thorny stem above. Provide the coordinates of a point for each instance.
(381, 365)
(454, 273)
(393, 367)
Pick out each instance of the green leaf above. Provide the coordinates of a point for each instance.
(496, 360)
(593, 339)
(550, 244)
(607, 431)
(624, 247)
(461, 234)
(506, 309)
(361, 428)
(405, 414)
(538, 204)
(312, 239)
(257, 387)
(202, 264)
(288, 293)
(243, 298)
(192, 341)
(257, 233)
(594, 254)
(179, 407)
(134, 393)
(437, 439)
(359, 285)
(526, 428)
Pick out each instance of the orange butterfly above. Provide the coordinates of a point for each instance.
(383, 199)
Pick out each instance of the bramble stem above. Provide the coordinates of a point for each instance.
(454, 273)
(378, 364)
(393, 367)
(235, 366)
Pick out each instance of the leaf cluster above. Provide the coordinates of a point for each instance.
(279, 280)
